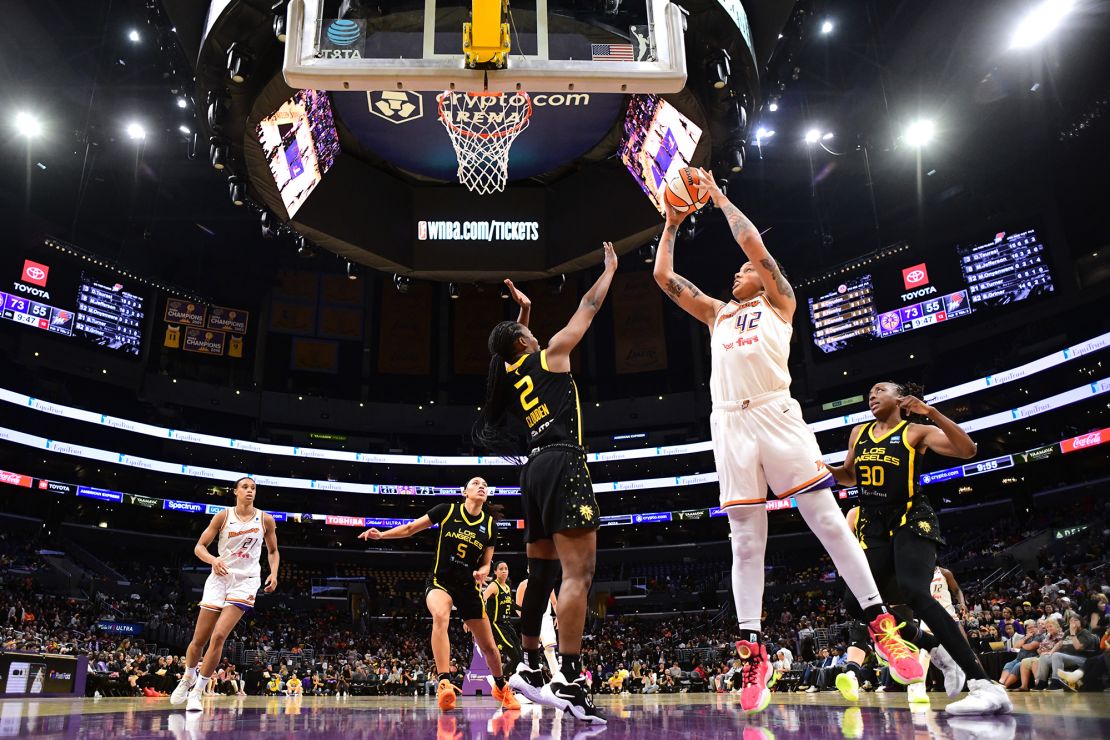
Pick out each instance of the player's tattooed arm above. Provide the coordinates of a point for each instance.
(776, 273)
(680, 290)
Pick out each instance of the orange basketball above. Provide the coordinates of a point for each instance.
(685, 191)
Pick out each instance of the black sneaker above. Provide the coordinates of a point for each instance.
(528, 682)
(1055, 685)
(573, 697)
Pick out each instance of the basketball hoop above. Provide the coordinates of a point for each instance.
(482, 127)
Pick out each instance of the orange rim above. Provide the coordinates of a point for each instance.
(493, 135)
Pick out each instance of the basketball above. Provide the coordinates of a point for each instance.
(685, 191)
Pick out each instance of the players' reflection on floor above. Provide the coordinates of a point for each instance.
(995, 727)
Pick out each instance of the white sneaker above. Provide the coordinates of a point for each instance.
(954, 676)
(195, 703)
(917, 694)
(1072, 679)
(881, 690)
(181, 691)
(812, 690)
(984, 697)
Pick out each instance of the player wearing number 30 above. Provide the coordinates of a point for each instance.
(230, 589)
(761, 439)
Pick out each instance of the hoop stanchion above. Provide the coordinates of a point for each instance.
(483, 127)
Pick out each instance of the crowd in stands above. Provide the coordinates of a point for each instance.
(1034, 628)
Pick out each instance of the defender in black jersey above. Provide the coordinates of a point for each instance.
(899, 531)
(501, 608)
(532, 407)
(464, 550)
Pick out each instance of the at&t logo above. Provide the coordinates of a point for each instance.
(342, 33)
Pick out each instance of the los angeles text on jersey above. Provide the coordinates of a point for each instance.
(877, 454)
(505, 231)
(465, 535)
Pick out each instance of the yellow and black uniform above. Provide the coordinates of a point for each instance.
(499, 609)
(555, 485)
(462, 541)
(887, 473)
(891, 505)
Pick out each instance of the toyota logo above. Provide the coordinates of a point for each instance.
(915, 276)
(35, 273)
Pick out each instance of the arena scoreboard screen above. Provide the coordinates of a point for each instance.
(921, 291)
(45, 291)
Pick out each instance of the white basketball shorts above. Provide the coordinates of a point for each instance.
(229, 590)
(764, 442)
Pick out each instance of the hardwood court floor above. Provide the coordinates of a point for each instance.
(703, 716)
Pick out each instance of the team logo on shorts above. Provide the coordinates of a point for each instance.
(587, 512)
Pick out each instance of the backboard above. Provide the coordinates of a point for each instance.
(614, 46)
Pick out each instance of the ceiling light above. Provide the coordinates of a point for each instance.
(352, 271)
(827, 136)
(453, 290)
(27, 124)
(1040, 22)
(773, 106)
(812, 136)
(135, 131)
(826, 27)
(919, 133)
(133, 36)
(184, 129)
(182, 102)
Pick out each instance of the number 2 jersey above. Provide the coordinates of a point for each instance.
(546, 401)
(462, 541)
(240, 544)
(887, 471)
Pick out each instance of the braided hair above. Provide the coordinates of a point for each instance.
(493, 430)
(911, 389)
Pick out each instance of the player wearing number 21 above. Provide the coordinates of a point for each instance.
(760, 440)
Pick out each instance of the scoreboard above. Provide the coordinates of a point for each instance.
(925, 290)
(51, 294)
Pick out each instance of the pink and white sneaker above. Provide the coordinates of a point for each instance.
(755, 676)
(896, 652)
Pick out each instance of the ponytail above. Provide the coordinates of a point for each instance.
(493, 430)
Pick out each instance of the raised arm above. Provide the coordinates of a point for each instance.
(564, 342)
(778, 290)
(845, 473)
(521, 300)
(482, 574)
(946, 438)
(211, 532)
(269, 529)
(398, 533)
(679, 289)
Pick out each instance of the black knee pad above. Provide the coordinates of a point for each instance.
(542, 577)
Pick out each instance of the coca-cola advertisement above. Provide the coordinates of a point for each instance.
(1083, 441)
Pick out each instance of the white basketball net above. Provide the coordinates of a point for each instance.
(482, 127)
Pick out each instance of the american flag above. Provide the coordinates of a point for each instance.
(611, 52)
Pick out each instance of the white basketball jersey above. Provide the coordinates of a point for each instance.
(939, 589)
(750, 348)
(241, 544)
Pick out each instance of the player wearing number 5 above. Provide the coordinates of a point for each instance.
(231, 587)
(760, 439)
(899, 532)
(532, 408)
(464, 551)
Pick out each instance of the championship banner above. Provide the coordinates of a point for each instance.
(181, 311)
(292, 318)
(339, 290)
(638, 323)
(234, 346)
(405, 347)
(300, 286)
(473, 315)
(204, 341)
(340, 323)
(233, 320)
(314, 355)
